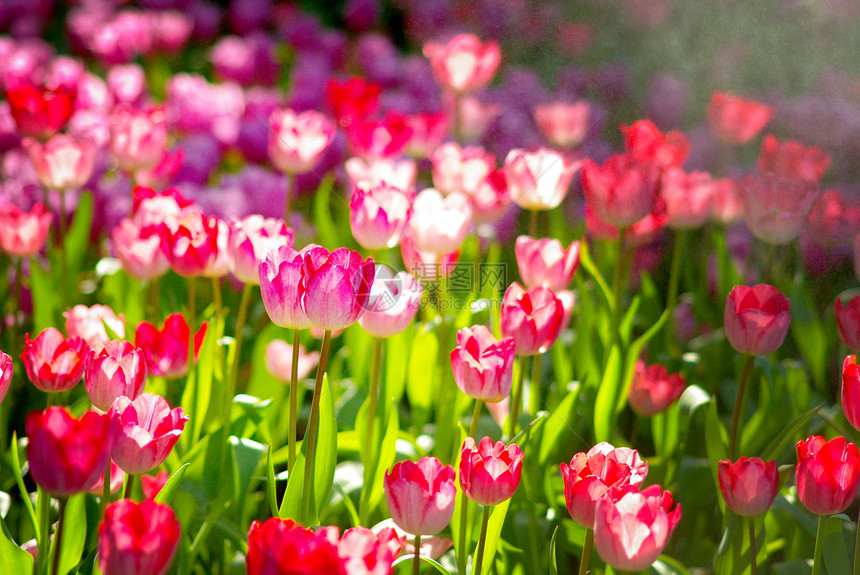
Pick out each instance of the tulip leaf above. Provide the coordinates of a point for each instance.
(411, 557)
(19, 481)
(666, 565)
(167, 492)
(729, 551)
(198, 388)
(589, 266)
(632, 357)
(396, 353)
(46, 297)
(74, 534)
(13, 559)
(421, 376)
(78, 236)
(558, 430)
(494, 532)
(604, 404)
(775, 446)
(246, 458)
(835, 552)
(271, 491)
(377, 455)
(553, 568)
(715, 443)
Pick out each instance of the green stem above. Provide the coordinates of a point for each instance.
(191, 283)
(105, 490)
(479, 554)
(294, 399)
(311, 436)
(473, 428)
(216, 296)
(129, 483)
(819, 545)
(617, 290)
(55, 568)
(288, 192)
(534, 389)
(751, 521)
(416, 561)
(44, 502)
(370, 455)
(739, 400)
(857, 550)
(587, 548)
(62, 252)
(456, 127)
(230, 388)
(674, 283)
(517, 398)
(533, 223)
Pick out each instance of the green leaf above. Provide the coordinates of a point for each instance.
(74, 534)
(382, 455)
(421, 376)
(494, 533)
(774, 447)
(198, 388)
(78, 235)
(439, 567)
(729, 551)
(553, 569)
(271, 491)
(715, 443)
(13, 559)
(246, 457)
(46, 297)
(632, 357)
(588, 265)
(558, 431)
(666, 565)
(604, 404)
(835, 553)
(169, 489)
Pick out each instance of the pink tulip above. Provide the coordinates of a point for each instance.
(756, 319)
(250, 240)
(426, 265)
(776, 207)
(63, 163)
(385, 137)
(688, 198)
(147, 430)
(297, 141)
(139, 250)
(827, 474)
(562, 124)
(621, 192)
(377, 171)
(280, 273)
(166, 350)
(653, 389)
(393, 303)
(138, 139)
(848, 322)
(545, 262)
(66, 455)
(151, 485)
(88, 323)
(440, 224)
(6, 372)
(489, 472)
(476, 115)
(428, 132)
(163, 172)
(791, 159)
(491, 199)
(461, 170)
(420, 495)
(367, 553)
(632, 531)
(727, 203)
(151, 208)
(334, 287)
(532, 317)
(279, 359)
(114, 370)
(851, 391)
(749, 485)
(137, 538)
(538, 180)
(735, 120)
(464, 64)
(592, 475)
(378, 215)
(190, 244)
(23, 234)
(117, 476)
(647, 145)
(54, 363)
(483, 366)
(219, 266)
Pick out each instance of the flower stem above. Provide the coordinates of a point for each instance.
(191, 283)
(44, 502)
(105, 490)
(739, 401)
(751, 521)
(473, 428)
(819, 545)
(129, 483)
(288, 192)
(416, 565)
(533, 222)
(517, 397)
(479, 554)
(370, 455)
(230, 388)
(55, 568)
(857, 550)
(294, 400)
(534, 388)
(311, 436)
(617, 291)
(587, 548)
(674, 283)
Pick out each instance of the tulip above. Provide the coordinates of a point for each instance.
(219, 266)
(163, 172)
(426, 265)
(367, 553)
(791, 159)
(646, 144)
(40, 112)
(377, 171)
(735, 120)
(138, 139)
(461, 170)
(827, 474)
(297, 141)
(282, 546)
(6, 371)
(688, 198)
(334, 287)
(489, 472)
(116, 478)
(23, 234)
(562, 124)
(190, 244)
(630, 532)
(475, 115)
(151, 485)
(749, 485)
(464, 64)
(166, 350)
(394, 301)
(67, 455)
(137, 538)
(151, 208)
(848, 322)
(851, 391)
(621, 192)
(279, 355)
(280, 273)
(147, 429)
(378, 215)
(114, 370)
(532, 317)
(592, 474)
(440, 224)
(653, 390)
(250, 240)
(538, 180)
(420, 495)
(483, 366)
(756, 319)
(833, 219)
(545, 262)
(88, 323)
(776, 207)
(351, 99)
(727, 204)
(379, 138)
(63, 163)
(54, 363)
(491, 199)
(429, 130)
(138, 250)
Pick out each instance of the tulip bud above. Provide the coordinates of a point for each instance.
(137, 538)
(23, 234)
(40, 112)
(538, 180)
(851, 391)
(827, 474)
(848, 322)
(279, 360)
(546, 262)
(420, 495)
(748, 485)
(461, 170)
(621, 192)
(440, 224)
(791, 159)
(114, 370)
(756, 319)
(776, 207)
(688, 198)
(735, 120)
(54, 363)
(146, 431)
(138, 250)
(562, 124)
(489, 472)
(653, 390)
(532, 317)
(464, 64)
(250, 240)
(280, 273)
(138, 139)
(151, 485)
(63, 163)
(393, 303)
(166, 350)
(190, 243)
(6, 369)
(378, 215)
(483, 366)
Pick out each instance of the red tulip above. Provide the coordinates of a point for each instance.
(653, 389)
(112, 370)
(532, 317)
(621, 192)
(137, 538)
(592, 475)
(420, 495)
(735, 120)
(483, 366)
(151, 485)
(379, 137)
(489, 472)
(756, 319)
(166, 350)
(146, 431)
(283, 547)
(298, 141)
(827, 474)
(54, 363)
(688, 198)
(190, 243)
(352, 99)
(545, 262)
(630, 532)
(646, 144)
(749, 485)
(848, 322)
(63, 163)
(67, 455)
(429, 130)
(250, 240)
(538, 180)
(6, 369)
(40, 112)
(334, 286)
(851, 391)
(638, 235)
(23, 234)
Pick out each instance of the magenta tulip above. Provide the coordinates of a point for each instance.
(489, 472)
(483, 366)
(420, 495)
(334, 286)
(146, 431)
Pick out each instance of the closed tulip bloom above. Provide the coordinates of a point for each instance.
(538, 180)
(385, 137)
(420, 495)
(297, 141)
(279, 360)
(138, 250)
(848, 322)
(6, 369)
(532, 317)
(489, 472)
(367, 553)
(283, 547)
(756, 319)
(653, 390)
(776, 207)
(394, 301)
(40, 112)
(23, 234)
(378, 215)
(562, 124)
(377, 171)
(138, 138)
(440, 224)
(483, 366)
(464, 64)
(545, 262)
(351, 99)
(63, 163)
(827, 474)
(688, 198)
(621, 192)
(250, 240)
(67, 455)
(146, 431)
(151, 208)
(54, 363)
(736, 120)
(851, 391)
(112, 370)
(429, 130)
(190, 244)
(426, 265)
(166, 350)
(792, 159)
(646, 144)
(631, 532)
(89, 323)
(138, 538)
(335, 286)
(748, 485)
(592, 474)
(491, 200)
(457, 169)
(280, 273)
(151, 485)
(219, 266)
